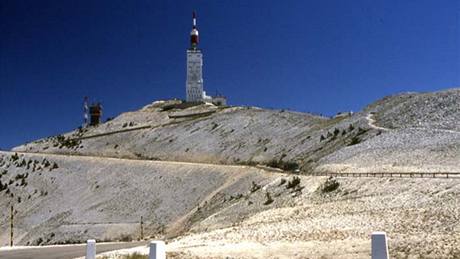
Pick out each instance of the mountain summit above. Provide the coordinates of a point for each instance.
(218, 181)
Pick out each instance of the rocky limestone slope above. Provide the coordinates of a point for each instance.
(334, 219)
(212, 211)
(68, 199)
(422, 135)
(189, 171)
(404, 130)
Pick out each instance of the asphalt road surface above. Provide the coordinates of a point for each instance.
(63, 252)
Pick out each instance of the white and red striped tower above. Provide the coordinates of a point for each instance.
(194, 83)
(194, 35)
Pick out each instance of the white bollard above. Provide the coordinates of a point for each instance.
(91, 249)
(379, 245)
(157, 250)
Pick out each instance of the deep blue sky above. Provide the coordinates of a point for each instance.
(316, 56)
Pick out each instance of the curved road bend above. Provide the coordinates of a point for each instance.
(63, 252)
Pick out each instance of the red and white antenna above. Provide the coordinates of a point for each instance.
(194, 39)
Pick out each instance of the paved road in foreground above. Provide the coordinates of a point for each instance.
(63, 252)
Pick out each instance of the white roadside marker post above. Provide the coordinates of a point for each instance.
(379, 245)
(157, 250)
(91, 249)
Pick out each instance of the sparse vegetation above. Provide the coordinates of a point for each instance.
(284, 165)
(248, 163)
(126, 238)
(282, 181)
(351, 127)
(330, 185)
(68, 242)
(70, 143)
(355, 140)
(60, 138)
(254, 187)
(38, 242)
(293, 182)
(3, 186)
(45, 163)
(268, 199)
(61, 141)
(336, 131)
(23, 163)
(55, 166)
(361, 131)
(19, 177)
(23, 182)
(237, 196)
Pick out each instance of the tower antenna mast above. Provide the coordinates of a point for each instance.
(85, 112)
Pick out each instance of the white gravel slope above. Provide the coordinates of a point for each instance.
(104, 198)
(398, 132)
(421, 218)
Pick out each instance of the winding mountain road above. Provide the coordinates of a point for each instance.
(370, 117)
(371, 121)
(62, 251)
